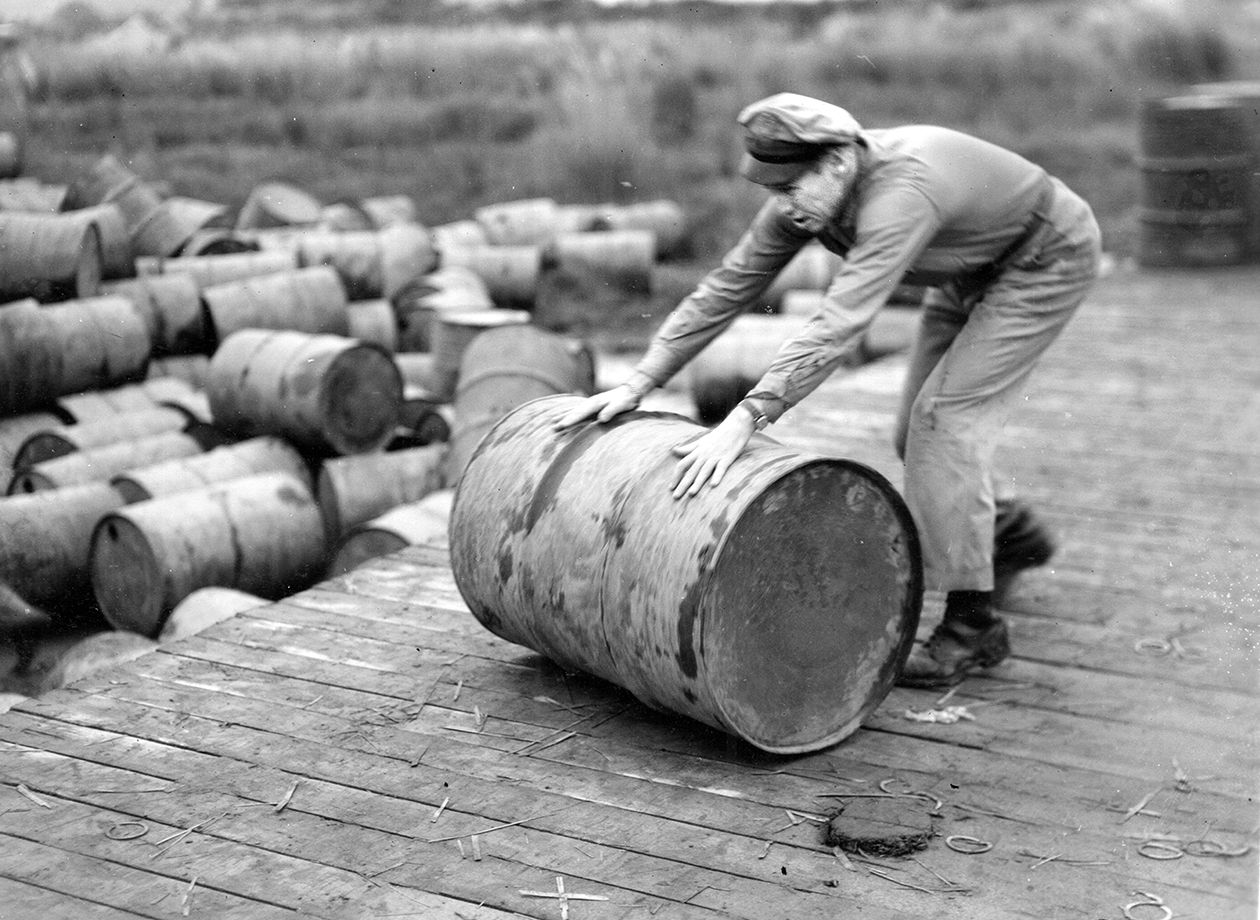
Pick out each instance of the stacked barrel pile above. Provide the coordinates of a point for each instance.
(206, 408)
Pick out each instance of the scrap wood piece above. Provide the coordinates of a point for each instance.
(564, 897)
(499, 827)
(183, 903)
(1140, 807)
(288, 797)
(947, 716)
(441, 808)
(22, 788)
(1066, 860)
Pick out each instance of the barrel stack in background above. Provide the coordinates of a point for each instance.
(571, 543)
(1198, 205)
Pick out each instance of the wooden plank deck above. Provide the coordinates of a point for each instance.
(365, 749)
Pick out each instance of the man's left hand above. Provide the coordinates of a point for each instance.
(706, 459)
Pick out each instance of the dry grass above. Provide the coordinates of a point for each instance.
(637, 107)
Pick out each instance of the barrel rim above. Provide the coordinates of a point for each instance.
(152, 602)
(912, 606)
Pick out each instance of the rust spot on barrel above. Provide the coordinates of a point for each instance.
(549, 484)
(505, 564)
(291, 496)
(688, 610)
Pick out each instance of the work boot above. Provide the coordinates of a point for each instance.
(1020, 541)
(953, 651)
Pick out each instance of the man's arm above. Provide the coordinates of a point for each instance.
(893, 230)
(721, 296)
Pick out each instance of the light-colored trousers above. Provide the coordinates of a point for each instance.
(975, 348)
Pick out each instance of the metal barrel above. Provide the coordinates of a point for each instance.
(1196, 163)
(778, 606)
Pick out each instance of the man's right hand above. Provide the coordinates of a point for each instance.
(602, 407)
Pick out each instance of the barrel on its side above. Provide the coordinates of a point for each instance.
(778, 606)
(14, 430)
(209, 270)
(453, 331)
(524, 222)
(352, 490)
(723, 373)
(1196, 163)
(222, 464)
(373, 321)
(260, 534)
(511, 273)
(505, 368)
(48, 256)
(278, 204)
(415, 523)
(203, 608)
(325, 393)
(309, 300)
(450, 289)
(172, 309)
(60, 440)
(52, 351)
(45, 538)
(811, 269)
(99, 464)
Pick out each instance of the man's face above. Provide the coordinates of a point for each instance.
(815, 197)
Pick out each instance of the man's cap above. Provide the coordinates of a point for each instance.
(786, 133)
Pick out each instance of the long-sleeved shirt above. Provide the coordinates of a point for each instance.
(930, 204)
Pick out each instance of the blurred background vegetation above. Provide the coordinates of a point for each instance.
(460, 106)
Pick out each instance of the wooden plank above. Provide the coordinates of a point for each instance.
(395, 804)
(379, 742)
(67, 852)
(23, 899)
(1214, 734)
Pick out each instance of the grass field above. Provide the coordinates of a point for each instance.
(586, 104)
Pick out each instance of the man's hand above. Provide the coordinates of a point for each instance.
(602, 407)
(706, 459)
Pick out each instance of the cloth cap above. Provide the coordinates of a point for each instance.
(785, 134)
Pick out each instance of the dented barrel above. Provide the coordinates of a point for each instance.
(778, 606)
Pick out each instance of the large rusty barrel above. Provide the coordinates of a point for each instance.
(778, 606)
(325, 393)
(45, 541)
(230, 461)
(48, 256)
(51, 351)
(172, 309)
(507, 367)
(259, 534)
(305, 299)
